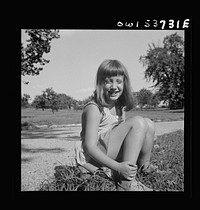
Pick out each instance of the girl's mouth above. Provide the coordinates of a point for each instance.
(115, 93)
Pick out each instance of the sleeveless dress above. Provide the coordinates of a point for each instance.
(107, 123)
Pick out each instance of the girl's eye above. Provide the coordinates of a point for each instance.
(119, 81)
(107, 81)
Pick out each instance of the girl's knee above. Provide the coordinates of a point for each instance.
(151, 125)
(138, 122)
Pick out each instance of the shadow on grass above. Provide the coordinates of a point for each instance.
(175, 111)
(24, 149)
(74, 138)
(47, 134)
(39, 150)
(26, 160)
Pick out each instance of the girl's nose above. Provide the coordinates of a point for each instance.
(114, 85)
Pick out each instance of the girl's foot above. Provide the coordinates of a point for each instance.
(134, 186)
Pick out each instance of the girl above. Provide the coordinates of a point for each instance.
(108, 140)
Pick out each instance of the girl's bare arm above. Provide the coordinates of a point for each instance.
(91, 119)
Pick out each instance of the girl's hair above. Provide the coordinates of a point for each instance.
(109, 68)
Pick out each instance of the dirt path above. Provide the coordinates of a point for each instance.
(44, 148)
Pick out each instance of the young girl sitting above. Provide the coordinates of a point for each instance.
(107, 138)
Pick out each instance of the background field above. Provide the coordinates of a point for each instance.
(46, 117)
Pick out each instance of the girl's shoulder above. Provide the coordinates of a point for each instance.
(90, 102)
(93, 103)
(91, 110)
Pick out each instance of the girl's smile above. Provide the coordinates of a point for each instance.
(113, 88)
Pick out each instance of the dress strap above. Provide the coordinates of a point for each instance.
(90, 102)
(93, 102)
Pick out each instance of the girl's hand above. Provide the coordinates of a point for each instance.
(127, 170)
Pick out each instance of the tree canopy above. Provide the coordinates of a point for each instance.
(49, 99)
(146, 98)
(24, 100)
(38, 44)
(165, 66)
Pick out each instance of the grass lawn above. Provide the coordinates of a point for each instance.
(160, 114)
(46, 117)
(167, 155)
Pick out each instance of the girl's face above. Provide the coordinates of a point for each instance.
(113, 88)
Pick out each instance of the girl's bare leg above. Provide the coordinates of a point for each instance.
(134, 140)
(132, 134)
(145, 153)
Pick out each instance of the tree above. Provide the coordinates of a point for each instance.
(51, 99)
(155, 100)
(39, 102)
(135, 101)
(65, 102)
(165, 66)
(32, 54)
(144, 97)
(24, 100)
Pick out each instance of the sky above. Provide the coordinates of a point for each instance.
(77, 54)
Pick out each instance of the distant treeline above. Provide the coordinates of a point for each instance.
(49, 99)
